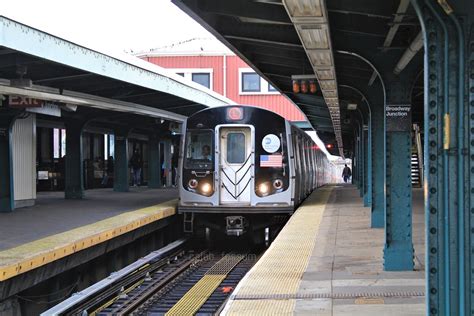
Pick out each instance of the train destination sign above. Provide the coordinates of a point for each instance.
(398, 117)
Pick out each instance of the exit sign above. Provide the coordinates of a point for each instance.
(20, 102)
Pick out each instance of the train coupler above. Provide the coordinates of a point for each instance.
(235, 225)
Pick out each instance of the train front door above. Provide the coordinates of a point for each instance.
(235, 165)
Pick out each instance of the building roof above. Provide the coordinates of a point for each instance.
(200, 46)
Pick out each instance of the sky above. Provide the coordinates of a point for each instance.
(111, 25)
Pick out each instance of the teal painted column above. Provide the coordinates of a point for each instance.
(6, 165)
(369, 162)
(154, 166)
(355, 162)
(362, 160)
(74, 176)
(378, 166)
(167, 161)
(366, 167)
(121, 170)
(398, 250)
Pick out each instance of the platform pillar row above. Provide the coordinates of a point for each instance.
(74, 175)
(154, 166)
(6, 165)
(378, 166)
(121, 170)
(355, 162)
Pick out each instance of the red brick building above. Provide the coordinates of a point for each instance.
(208, 62)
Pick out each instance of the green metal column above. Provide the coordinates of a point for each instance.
(121, 170)
(167, 161)
(74, 176)
(378, 166)
(369, 164)
(398, 250)
(6, 166)
(366, 165)
(154, 166)
(449, 155)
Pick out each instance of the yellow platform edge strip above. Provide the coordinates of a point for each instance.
(281, 268)
(29, 256)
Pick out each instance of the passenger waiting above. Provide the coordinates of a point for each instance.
(136, 165)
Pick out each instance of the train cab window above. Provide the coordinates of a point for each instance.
(236, 148)
(199, 153)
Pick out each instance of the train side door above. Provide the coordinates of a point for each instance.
(235, 165)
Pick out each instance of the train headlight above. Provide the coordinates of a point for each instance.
(278, 184)
(193, 183)
(263, 189)
(206, 188)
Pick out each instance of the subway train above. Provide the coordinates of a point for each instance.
(244, 169)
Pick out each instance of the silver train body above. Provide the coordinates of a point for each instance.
(244, 168)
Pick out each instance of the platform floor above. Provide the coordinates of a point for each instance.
(53, 214)
(336, 267)
(56, 228)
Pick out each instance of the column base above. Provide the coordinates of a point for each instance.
(74, 194)
(398, 257)
(377, 219)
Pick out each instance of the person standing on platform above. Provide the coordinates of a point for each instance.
(346, 173)
(109, 171)
(136, 165)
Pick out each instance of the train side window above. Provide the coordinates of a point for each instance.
(236, 148)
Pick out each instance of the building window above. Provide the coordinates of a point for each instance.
(202, 78)
(250, 82)
(271, 88)
(180, 74)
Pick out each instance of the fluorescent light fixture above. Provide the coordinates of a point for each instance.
(327, 84)
(314, 37)
(320, 57)
(352, 106)
(325, 74)
(304, 8)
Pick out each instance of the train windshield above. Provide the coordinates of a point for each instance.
(199, 149)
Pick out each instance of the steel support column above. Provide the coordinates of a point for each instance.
(121, 170)
(449, 155)
(74, 176)
(154, 166)
(6, 166)
(366, 166)
(378, 166)
(167, 162)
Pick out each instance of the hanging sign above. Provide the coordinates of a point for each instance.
(398, 117)
(20, 102)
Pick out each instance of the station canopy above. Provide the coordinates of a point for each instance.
(290, 40)
(84, 82)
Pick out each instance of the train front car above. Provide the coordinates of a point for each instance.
(235, 170)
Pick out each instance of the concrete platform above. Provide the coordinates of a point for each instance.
(56, 228)
(328, 261)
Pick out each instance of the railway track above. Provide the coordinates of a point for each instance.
(178, 281)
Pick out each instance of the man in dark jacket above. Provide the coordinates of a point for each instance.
(346, 173)
(136, 164)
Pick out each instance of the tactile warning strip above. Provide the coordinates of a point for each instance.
(329, 295)
(190, 303)
(281, 268)
(32, 255)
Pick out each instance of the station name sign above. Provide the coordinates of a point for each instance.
(398, 117)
